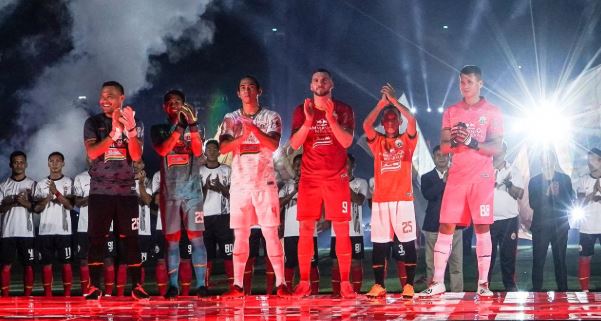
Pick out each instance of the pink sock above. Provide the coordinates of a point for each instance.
(483, 251)
(442, 250)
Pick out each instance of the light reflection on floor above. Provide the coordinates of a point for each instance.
(453, 306)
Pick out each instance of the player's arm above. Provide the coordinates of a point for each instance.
(40, 204)
(343, 135)
(145, 197)
(227, 142)
(390, 94)
(370, 120)
(95, 147)
(270, 140)
(300, 133)
(284, 200)
(64, 200)
(7, 203)
(357, 198)
(165, 146)
(81, 201)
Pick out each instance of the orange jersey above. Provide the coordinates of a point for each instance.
(392, 167)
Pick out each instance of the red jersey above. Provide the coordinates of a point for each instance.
(483, 120)
(393, 167)
(323, 156)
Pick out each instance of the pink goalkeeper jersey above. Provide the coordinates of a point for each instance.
(483, 120)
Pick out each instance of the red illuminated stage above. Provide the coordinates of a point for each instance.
(453, 306)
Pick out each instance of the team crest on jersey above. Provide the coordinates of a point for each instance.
(482, 120)
(398, 143)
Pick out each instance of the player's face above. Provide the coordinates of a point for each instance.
(18, 165)
(110, 99)
(470, 85)
(321, 84)
(391, 123)
(594, 162)
(173, 105)
(212, 152)
(296, 166)
(138, 166)
(440, 159)
(248, 91)
(55, 164)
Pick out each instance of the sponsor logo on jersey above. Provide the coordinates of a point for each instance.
(115, 154)
(482, 120)
(178, 160)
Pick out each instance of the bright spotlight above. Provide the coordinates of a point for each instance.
(429, 109)
(445, 27)
(82, 97)
(440, 110)
(413, 110)
(577, 213)
(544, 124)
(274, 29)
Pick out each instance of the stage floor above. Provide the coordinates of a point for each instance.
(451, 306)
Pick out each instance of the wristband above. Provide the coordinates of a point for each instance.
(57, 194)
(132, 133)
(193, 127)
(308, 123)
(471, 143)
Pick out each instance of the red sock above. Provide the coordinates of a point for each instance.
(47, 279)
(314, 280)
(335, 279)
(67, 279)
(185, 276)
(161, 276)
(248, 275)
(142, 275)
(305, 249)
(357, 276)
(400, 266)
(228, 265)
(28, 280)
(289, 276)
(269, 276)
(5, 280)
(343, 249)
(208, 273)
(584, 271)
(84, 277)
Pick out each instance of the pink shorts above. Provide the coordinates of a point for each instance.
(258, 207)
(334, 194)
(462, 203)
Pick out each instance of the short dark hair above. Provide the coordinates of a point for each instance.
(351, 158)
(59, 154)
(112, 83)
(394, 110)
(16, 154)
(299, 157)
(435, 149)
(253, 79)
(174, 92)
(471, 69)
(325, 71)
(212, 141)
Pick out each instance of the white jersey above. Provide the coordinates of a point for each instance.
(156, 185)
(55, 219)
(506, 206)
(18, 221)
(252, 163)
(215, 203)
(359, 186)
(81, 188)
(291, 224)
(144, 210)
(591, 224)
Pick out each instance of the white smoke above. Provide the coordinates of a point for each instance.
(112, 40)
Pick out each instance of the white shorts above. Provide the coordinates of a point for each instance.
(258, 207)
(390, 218)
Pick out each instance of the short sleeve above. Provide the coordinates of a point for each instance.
(298, 118)
(77, 188)
(446, 119)
(347, 119)
(39, 190)
(156, 182)
(89, 130)
(275, 124)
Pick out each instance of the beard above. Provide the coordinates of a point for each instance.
(322, 92)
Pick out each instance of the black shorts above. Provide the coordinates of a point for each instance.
(55, 247)
(21, 247)
(291, 252)
(218, 235)
(357, 248)
(256, 243)
(158, 251)
(121, 210)
(185, 247)
(587, 243)
(146, 243)
(82, 247)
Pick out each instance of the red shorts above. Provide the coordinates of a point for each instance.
(334, 194)
(460, 203)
